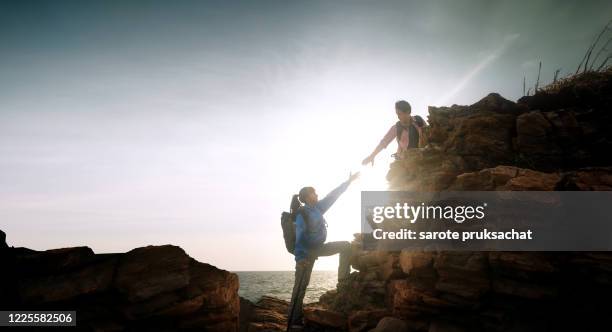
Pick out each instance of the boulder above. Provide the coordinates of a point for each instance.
(268, 314)
(406, 299)
(391, 324)
(587, 179)
(463, 273)
(480, 133)
(365, 320)
(506, 178)
(156, 287)
(145, 272)
(321, 317)
(412, 261)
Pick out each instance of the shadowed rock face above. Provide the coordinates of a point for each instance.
(155, 287)
(3, 244)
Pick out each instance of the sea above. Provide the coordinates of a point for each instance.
(279, 284)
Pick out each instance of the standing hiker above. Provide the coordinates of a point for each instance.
(310, 236)
(408, 132)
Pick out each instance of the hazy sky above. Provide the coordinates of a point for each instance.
(127, 123)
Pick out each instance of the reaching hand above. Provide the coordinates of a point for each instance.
(367, 160)
(353, 177)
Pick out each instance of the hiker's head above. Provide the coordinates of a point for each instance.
(403, 110)
(308, 196)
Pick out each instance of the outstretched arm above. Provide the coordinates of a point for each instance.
(324, 204)
(391, 134)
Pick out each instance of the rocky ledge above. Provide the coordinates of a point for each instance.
(156, 288)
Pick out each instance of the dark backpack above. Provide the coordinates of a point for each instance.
(413, 133)
(288, 225)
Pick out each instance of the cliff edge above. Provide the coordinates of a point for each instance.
(156, 288)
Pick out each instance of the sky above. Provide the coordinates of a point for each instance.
(133, 123)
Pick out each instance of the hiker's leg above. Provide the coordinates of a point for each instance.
(297, 282)
(339, 247)
(302, 278)
(298, 312)
(344, 266)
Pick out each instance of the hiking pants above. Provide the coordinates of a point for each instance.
(303, 270)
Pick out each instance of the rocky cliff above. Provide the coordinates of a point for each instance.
(155, 288)
(558, 139)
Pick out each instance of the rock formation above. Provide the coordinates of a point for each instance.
(559, 139)
(268, 314)
(156, 288)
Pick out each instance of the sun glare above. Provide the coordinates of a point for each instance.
(344, 218)
(330, 140)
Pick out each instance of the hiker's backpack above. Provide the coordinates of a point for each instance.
(288, 225)
(418, 121)
(413, 133)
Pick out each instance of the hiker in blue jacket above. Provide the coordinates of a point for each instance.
(310, 236)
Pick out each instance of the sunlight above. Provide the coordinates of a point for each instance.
(344, 218)
(373, 178)
(331, 127)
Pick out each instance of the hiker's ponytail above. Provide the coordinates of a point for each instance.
(295, 204)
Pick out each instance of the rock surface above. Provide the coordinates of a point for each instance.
(268, 314)
(154, 287)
